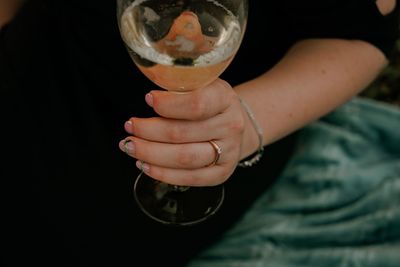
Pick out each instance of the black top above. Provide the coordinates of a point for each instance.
(67, 85)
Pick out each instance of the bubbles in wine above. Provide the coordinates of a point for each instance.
(220, 33)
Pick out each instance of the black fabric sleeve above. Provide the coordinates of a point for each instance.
(348, 19)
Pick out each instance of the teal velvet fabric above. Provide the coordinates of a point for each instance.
(337, 202)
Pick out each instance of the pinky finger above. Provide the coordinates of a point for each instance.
(207, 176)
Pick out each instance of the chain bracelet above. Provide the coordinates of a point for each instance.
(256, 157)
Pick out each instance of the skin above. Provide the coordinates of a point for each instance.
(174, 146)
(188, 26)
(8, 8)
(295, 92)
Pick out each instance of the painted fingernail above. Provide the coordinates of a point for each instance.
(127, 146)
(128, 126)
(149, 99)
(142, 166)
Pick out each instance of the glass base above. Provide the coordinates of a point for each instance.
(177, 205)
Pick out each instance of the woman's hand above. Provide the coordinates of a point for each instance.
(174, 148)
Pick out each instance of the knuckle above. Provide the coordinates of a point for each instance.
(237, 125)
(229, 95)
(186, 158)
(175, 134)
(198, 107)
(225, 85)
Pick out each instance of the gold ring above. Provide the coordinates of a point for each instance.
(218, 152)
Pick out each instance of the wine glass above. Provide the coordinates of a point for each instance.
(180, 45)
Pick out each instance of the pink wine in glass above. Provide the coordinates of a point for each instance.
(189, 56)
(181, 45)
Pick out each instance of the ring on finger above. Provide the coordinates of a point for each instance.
(218, 152)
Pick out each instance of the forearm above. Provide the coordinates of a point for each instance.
(312, 79)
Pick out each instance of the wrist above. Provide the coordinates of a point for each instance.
(252, 145)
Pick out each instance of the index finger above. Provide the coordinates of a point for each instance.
(199, 104)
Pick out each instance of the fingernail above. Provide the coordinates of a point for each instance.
(128, 126)
(142, 166)
(149, 99)
(127, 146)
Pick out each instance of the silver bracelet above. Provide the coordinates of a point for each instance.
(255, 158)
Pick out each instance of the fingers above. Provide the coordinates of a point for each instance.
(178, 131)
(175, 148)
(198, 164)
(195, 105)
(207, 176)
(227, 122)
(183, 156)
